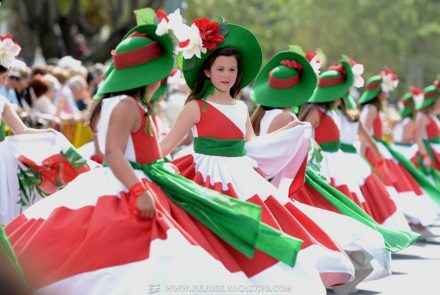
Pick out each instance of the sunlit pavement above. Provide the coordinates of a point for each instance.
(416, 270)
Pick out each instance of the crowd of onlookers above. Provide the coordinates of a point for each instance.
(59, 91)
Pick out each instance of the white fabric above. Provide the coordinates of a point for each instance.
(3, 101)
(239, 172)
(349, 130)
(267, 119)
(364, 114)
(37, 148)
(108, 106)
(399, 129)
(9, 186)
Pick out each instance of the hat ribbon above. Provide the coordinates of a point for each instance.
(374, 85)
(336, 80)
(275, 82)
(137, 56)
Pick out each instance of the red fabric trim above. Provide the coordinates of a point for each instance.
(283, 83)
(377, 126)
(146, 147)
(327, 130)
(374, 85)
(209, 125)
(137, 56)
(331, 81)
(432, 130)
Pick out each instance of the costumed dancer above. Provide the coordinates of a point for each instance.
(136, 225)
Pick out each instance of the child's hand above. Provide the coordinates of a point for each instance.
(145, 204)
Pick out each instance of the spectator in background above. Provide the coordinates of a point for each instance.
(8, 90)
(78, 87)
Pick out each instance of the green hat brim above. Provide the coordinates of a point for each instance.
(370, 94)
(159, 92)
(350, 103)
(332, 93)
(296, 95)
(425, 103)
(117, 80)
(244, 42)
(407, 111)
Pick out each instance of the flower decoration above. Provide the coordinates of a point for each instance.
(358, 70)
(417, 95)
(8, 51)
(389, 80)
(173, 22)
(192, 45)
(209, 32)
(314, 61)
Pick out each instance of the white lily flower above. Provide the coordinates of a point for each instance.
(193, 43)
(8, 51)
(358, 70)
(388, 84)
(172, 22)
(418, 99)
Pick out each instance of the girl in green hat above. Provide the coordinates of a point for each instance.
(405, 186)
(135, 224)
(226, 153)
(427, 133)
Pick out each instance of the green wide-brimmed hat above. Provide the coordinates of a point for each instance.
(286, 80)
(350, 102)
(333, 83)
(160, 91)
(140, 59)
(373, 88)
(243, 41)
(431, 94)
(407, 103)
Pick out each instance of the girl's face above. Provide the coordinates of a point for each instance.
(3, 78)
(223, 73)
(383, 96)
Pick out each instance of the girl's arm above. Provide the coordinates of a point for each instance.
(17, 126)
(313, 117)
(189, 116)
(367, 140)
(420, 130)
(368, 124)
(280, 121)
(124, 119)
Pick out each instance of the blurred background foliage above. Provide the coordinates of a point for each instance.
(400, 34)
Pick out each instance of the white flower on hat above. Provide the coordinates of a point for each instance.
(8, 51)
(171, 22)
(314, 61)
(358, 70)
(417, 95)
(190, 42)
(389, 81)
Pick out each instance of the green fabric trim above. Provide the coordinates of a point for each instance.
(394, 240)
(332, 146)
(8, 253)
(434, 140)
(219, 147)
(403, 144)
(2, 131)
(348, 148)
(418, 175)
(235, 221)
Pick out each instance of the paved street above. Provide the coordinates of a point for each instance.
(416, 270)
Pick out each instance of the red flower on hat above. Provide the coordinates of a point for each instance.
(209, 32)
(416, 91)
(4, 37)
(292, 64)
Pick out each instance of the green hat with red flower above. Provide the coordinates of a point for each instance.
(198, 41)
(333, 83)
(288, 79)
(140, 59)
(407, 101)
(386, 81)
(431, 94)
